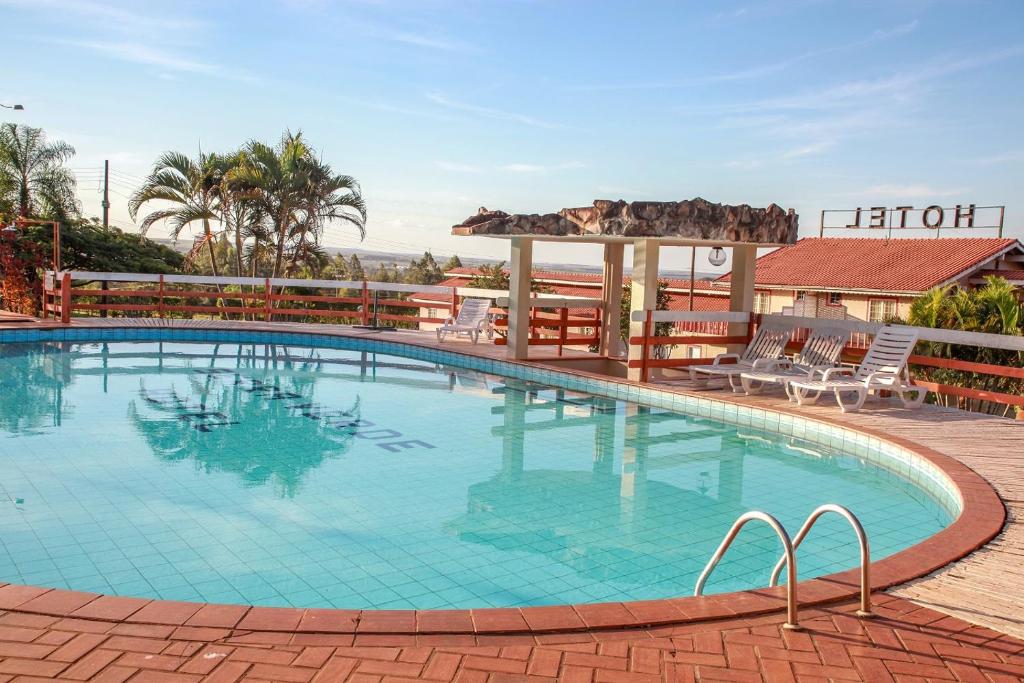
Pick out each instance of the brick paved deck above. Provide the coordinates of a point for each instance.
(903, 643)
(907, 642)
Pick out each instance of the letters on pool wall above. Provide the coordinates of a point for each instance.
(347, 421)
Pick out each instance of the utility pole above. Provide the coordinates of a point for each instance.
(106, 224)
(106, 193)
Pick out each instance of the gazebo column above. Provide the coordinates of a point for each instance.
(741, 290)
(611, 291)
(519, 298)
(644, 295)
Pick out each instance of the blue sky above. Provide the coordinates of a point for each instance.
(441, 106)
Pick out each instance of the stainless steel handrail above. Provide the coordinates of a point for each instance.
(865, 553)
(787, 545)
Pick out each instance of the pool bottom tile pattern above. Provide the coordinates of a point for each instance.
(259, 469)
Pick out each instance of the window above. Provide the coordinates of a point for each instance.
(799, 295)
(835, 299)
(762, 302)
(880, 310)
(696, 351)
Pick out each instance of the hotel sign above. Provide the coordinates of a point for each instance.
(934, 217)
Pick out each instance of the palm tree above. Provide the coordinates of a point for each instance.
(33, 179)
(298, 195)
(190, 187)
(272, 180)
(327, 197)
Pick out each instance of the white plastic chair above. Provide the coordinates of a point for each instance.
(764, 349)
(884, 368)
(821, 351)
(473, 320)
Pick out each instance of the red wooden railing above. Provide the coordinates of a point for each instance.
(268, 299)
(552, 329)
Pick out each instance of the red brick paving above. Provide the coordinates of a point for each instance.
(903, 643)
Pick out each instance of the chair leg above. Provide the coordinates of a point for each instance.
(750, 387)
(862, 396)
(736, 388)
(440, 335)
(804, 397)
(474, 335)
(920, 394)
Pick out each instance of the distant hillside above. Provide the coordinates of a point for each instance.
(371, 259)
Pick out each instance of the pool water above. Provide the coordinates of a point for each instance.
(313, 477)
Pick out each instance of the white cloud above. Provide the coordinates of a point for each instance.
(443, 101)
(143, 54)
(760, 70)
(809, 150)
(111, 17)
(540, 168)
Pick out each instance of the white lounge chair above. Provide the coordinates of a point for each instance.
(884, 368)
(821, 351)
(764, 349)
(473, 320)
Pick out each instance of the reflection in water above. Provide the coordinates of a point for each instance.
(221, 419)
(570, 511)
(32, 381)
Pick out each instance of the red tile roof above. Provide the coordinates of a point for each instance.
(1014, 276)
(677, 301)
(595, 278)
(895, 265)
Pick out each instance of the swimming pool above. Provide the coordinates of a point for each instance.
(276, 469)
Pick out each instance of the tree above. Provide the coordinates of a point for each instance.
(385, 273)
(424, 271)
(355, 269)
(190, 186)
(85, 245)
(297, 194)
(660, 329)
(33, 179)
(451, 264)
(492, 276)
(994, 308)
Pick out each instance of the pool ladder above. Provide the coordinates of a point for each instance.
(788, 558)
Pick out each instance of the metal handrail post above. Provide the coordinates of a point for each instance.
(865, 552)
(791, 606)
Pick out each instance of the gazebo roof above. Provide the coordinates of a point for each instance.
(689, 222)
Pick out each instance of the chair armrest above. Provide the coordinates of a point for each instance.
(893, 377)
(772, 364)
(829, 372)
(722, 356)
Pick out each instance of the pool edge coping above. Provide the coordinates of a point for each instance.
(982, 517)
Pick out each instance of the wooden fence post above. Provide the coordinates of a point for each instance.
(366, 304)
(455, 302)
(644, 347)
(160, 300)
(268, 299)
(563, 319)
(65, 299)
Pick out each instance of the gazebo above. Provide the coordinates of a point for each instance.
(648, 226)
